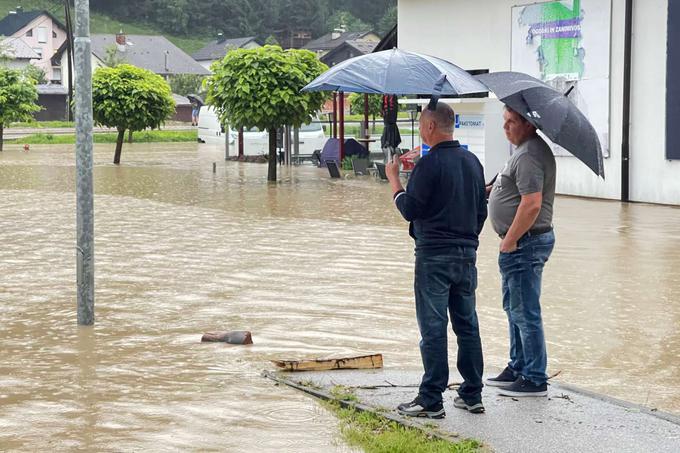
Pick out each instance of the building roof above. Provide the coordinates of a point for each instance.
(18, 49)
(12, 23)
(52, 89)
(180, 100)
(149, 52)
(361, 47)
(326, 42)
(217, 49)
(389, 41)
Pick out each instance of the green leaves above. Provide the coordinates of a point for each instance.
(130, 98)
(18, 96)
(261, 87)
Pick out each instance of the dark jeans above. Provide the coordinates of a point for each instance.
(521, 271)
(447, 281)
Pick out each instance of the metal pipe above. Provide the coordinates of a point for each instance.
(627, 70)
(335, 115)
(366, 117)
(341, 106)
(84, 183)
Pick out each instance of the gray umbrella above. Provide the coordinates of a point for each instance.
(551, 112)
(395, 72)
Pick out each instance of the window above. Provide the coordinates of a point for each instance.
(29, 33)
(42, 34)
(38, 50)
(56, 74)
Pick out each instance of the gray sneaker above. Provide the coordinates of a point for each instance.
(477, 408)
(416, 409)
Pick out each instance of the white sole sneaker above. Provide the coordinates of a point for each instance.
(506, 392)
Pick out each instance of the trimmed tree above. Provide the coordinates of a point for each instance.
(130, 98)
(261, 88)
(18, 98)
(356, 101)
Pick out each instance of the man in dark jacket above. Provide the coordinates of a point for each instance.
(445, 203)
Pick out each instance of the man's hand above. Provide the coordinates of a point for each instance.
(507, 246)
(488, 190)
(392, 168)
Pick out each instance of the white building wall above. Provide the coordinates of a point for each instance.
(653, 178)
(477, 35)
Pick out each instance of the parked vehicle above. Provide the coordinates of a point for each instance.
(255, 141)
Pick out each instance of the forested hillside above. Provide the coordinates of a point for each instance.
(260, 18)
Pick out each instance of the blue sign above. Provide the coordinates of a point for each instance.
(424, 149)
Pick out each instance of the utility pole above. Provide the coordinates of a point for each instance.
(84, 186)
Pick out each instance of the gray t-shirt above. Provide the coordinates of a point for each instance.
(530, 169)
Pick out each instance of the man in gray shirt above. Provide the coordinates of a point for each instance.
(520, 209)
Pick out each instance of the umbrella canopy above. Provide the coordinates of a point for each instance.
(196, 98)
(396, 72)
(551, 112)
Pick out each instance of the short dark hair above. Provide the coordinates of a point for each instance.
(511, 110)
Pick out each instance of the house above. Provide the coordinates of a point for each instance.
(42, 32)
(152, 52)
(625, 71)
(217, 50)
(18, 53)
(321, 46)
(348, 49)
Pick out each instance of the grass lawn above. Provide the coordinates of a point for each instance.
(42, 124)
(137, 137)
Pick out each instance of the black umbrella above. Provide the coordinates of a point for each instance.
(195, 98)
(390, 136)
(551, 112)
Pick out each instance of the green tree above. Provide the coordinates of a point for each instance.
(130, 98)
(18, 98)
(356, 101)
(387, 22)
(344, 19)
(261, 88)
(113, 58)
(35, 73)
(184, 84)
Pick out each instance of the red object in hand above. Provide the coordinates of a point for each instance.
(408, 159)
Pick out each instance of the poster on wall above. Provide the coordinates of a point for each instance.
(567, 43)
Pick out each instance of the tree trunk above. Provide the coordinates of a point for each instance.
(130, 136)
(271, 174)
(119, 146)
(2, 135)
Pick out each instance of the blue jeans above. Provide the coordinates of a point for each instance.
(446, 281)
(521, 272)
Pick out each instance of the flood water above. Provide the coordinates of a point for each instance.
(313, 267)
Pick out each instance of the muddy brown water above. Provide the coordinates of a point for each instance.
(312, 266)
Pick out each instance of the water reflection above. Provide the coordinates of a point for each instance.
(312, 266)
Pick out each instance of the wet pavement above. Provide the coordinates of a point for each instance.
(568, 420)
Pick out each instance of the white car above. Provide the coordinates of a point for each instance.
(255, 141)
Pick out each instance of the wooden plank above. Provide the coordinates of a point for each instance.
(345, 363)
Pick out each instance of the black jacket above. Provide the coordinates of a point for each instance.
(445, 199)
